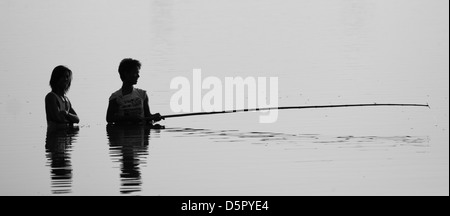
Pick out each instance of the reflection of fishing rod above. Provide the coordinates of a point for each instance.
(286, 108)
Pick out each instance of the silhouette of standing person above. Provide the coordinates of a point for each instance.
(129, 146)
(129, 105)
(58, 147)
(59, 110)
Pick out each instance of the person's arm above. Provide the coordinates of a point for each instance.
(53, 111)
(112, 111)
(72, 116)
(149, 117)
(147, 113)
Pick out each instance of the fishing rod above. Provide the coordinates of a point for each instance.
(287, 108)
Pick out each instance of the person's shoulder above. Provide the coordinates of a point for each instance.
(141, 92)
(50, 96)
(115, 94)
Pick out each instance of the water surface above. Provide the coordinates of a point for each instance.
(323, 52)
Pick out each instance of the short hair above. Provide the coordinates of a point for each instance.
(127, 65)
(58, 72)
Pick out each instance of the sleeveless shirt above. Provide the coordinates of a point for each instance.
(131, 104)
(62, 105)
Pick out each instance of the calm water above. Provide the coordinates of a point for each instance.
(323, 52)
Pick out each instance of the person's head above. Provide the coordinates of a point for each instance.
(61, 79)
(129, 70)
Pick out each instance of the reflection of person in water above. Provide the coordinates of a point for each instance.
(129, 145)
(58, 147)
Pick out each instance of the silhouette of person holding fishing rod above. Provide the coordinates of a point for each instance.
(129, 105)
